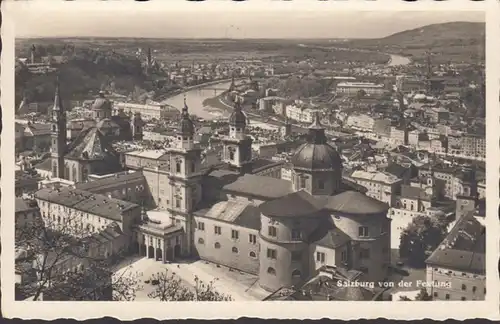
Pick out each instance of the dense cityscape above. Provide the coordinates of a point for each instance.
(328, 171)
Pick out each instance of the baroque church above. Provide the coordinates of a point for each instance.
(91, 152)
(240, 214)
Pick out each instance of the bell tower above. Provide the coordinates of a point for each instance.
(58, 136)
(184, 178)
(237, 152)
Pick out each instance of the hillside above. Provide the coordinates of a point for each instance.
(453, 41)
(82, 73)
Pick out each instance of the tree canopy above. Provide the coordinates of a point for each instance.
(170, 287)
(420, 238)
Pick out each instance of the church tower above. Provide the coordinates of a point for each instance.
(58, 136)
(184, 177)
(136, 125)
(237, 152)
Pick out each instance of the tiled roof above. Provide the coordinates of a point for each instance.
(334, 238)
(90, 144)
(297, 204)
(238, 213)
(40, 129)
(259, 186)
(414, 193)
(378, 176)
(24, 205)
(86, 202)
(353, 202)
(463, 248)
(111, 181)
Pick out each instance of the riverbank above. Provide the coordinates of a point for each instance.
(217, 103)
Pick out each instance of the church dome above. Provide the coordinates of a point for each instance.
(101, 103)
(316, 154)
(237, 118)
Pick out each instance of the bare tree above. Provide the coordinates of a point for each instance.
(61, 259)
(169, 287)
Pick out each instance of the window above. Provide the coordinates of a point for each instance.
(447, 297)
(343, 256)
(302, 182)
(320, 257)
(474, 288)
(234, 234)
(252, 238)
(363, 231)
(201, 226)
(296, 273)
(321, 184)
(464, 287)
(193, 167)
(272, 231)
(271, 271)
(296, 256)
(217, 230)
(178, 167)
(234, 249)
(364, 253)
(296, 234)
(271, 254)
(435, 294)
(231, 155)
(463, 298)
(177, 203)
(217, 245)
(252, 254)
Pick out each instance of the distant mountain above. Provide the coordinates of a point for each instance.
(453, 41)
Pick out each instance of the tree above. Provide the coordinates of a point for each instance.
(169, 287)
(420, 238)
(423, 295)
(62, 261)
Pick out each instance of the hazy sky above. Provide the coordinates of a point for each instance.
(119, 19)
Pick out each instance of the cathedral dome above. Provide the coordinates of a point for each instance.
(316, 154)
(101, 103)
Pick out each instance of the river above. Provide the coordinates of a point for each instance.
(195, 97)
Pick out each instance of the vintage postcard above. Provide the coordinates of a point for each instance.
(189, 159)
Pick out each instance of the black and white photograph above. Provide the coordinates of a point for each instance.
(304, 156)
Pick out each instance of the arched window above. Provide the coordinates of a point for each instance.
(201, 241)
(234, 249)
(271, 271)
(217, 245)
(252, 254)
(296, 273)
(178, 166)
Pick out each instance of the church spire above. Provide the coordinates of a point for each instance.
(57, 97)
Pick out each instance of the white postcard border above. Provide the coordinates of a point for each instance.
(217, 310)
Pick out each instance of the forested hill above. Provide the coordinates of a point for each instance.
(82, 72)
(452, 41)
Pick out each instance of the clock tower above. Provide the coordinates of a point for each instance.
(237, 152)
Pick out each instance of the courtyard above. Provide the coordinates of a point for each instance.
(239, 285)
